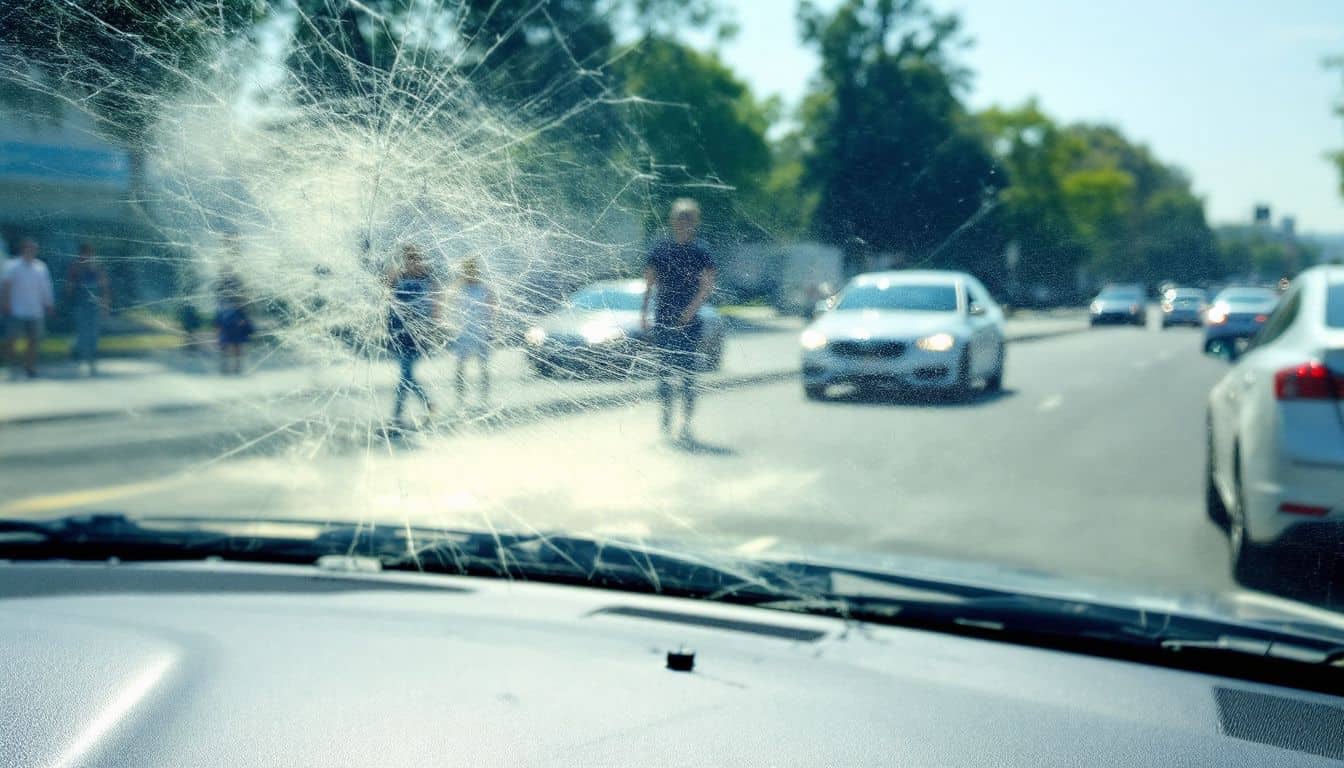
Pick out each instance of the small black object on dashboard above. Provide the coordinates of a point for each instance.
(681, 661)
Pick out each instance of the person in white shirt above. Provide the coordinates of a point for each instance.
(26, 299)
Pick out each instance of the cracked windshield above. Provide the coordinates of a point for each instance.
(1043, 295)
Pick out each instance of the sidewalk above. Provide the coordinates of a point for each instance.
(758, 349)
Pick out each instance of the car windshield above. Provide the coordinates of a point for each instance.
(381, 263)
(900, 297)
(621, 300)
(1120, 295)
(1248, 296)
(1334, 305)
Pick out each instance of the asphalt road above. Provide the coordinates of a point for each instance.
(1088, 465)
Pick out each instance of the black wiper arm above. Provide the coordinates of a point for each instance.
(536, 556)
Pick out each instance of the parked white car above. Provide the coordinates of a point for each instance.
(1276, 435)
(919, 330)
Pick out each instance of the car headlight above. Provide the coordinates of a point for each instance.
(536, 336)
(812, 340)
(1217, 314)
(938, 342)
(1096, 308)
(601, 333)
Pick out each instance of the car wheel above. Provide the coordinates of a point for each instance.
(814, 391)
(1249, 560)
(1213, 499)
(962, 389)
(995, 381)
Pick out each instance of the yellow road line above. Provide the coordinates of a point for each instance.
(56, 502)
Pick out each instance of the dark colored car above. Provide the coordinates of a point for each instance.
(1183, 306)
(597, 331)
(1238, 312)
(1120, 305)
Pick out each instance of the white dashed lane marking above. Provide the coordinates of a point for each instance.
(1050, 403)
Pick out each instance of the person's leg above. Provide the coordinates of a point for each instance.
(689, 353)
(404, 384)
(483, 362)
(8, 355)
(460, 379)
(664, 371)
(33, 331)
(86, 336)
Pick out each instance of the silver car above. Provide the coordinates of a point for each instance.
(597, 331)
(920, 330)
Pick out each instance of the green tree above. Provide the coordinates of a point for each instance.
(118, 59)
(896, 164)
(702, 133)
(1085, 195)
(1035, 156)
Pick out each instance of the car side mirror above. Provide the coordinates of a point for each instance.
(977, 310)
(1225, 349)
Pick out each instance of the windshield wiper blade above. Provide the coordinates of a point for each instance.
(535, 556)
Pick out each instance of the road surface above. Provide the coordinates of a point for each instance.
(1087, 465)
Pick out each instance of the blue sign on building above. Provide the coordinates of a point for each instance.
(63, 164)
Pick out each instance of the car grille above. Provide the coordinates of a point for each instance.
(868, 348)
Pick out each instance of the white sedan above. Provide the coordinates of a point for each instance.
(1276, 437)
(919, 330)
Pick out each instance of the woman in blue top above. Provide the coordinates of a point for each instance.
(411, 324)
(87, 291)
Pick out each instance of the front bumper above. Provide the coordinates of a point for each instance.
(1182, 317)
(913, 368)
(1230, 331)
(1116, 317)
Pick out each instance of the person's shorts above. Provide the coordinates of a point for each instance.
(24, 327)
(678, 347)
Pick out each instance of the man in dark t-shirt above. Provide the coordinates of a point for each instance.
(679, 276)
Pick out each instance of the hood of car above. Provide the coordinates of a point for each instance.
(873, 324)
(574, 321)
(220, 664)
(1116, 304)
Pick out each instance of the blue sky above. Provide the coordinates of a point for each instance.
(1231, 90)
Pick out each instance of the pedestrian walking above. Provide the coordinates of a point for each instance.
(26, 300)
(679, 276)
(476, 307)
(232, 320)
(87, 292)
(412, 325)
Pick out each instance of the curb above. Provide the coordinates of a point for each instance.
(509, 414)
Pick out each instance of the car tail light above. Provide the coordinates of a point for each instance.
(1305, 510)
(1261, 318)
(1309, 381)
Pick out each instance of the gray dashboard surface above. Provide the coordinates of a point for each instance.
(218, 664)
